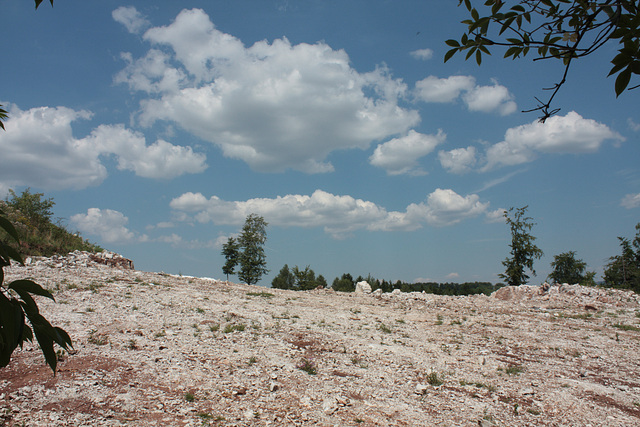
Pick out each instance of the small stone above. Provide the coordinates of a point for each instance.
(527, 391)
(330, 405)
(421, 389)
(273, 386)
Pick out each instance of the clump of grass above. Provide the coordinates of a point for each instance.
(160, 334)
(261, 294)
(514, 370)
(439, 321)
(132, 344)
(200, 310)
(434, 380)
(94, 286)
(214, 327)
(358, 362)
(626, 327)
(307, 366)
(252, 360)
(384, 328)
(97, 339)
(230, 328)
(189, 397)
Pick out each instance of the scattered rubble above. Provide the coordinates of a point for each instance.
(80, 259)
(153, 349)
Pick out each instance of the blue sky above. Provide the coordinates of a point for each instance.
(157, 127)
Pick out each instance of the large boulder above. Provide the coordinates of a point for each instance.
(363, 287)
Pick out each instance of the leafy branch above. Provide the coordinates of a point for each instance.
(14, 330)
(555, 29)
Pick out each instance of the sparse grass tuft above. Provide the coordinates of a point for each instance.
(97, 339)
(261, 294)
(384, 328)
(514, 370)
(230, 328)
(308, 366)
(626, 327)
(189, 397)
(434, 380)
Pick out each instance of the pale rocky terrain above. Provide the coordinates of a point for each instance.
(156, 349)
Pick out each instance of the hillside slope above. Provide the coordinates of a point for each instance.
(155, 349)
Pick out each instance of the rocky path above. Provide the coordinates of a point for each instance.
(154, 349)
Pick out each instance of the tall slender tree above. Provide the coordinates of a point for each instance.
(523, 249)
(253, 261)
(231, 253)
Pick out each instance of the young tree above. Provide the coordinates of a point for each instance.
(523, 250)
(231, 253)
(344, 284)
(253, 261)
(623, 271)
(35, 209)
(284, 280)
(568, 269)
(305, 279)
(321, 281)
(566, 30)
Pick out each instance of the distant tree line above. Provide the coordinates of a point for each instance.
(301, 280)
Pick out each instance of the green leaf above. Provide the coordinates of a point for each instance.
(471, 51)
(449, 54)
(479, 56)
(8, 227)
(30, 286)
(44, 334)
(622, 81)
(12, 322)
(62, 338)
(452, 43)
(513, 51)
(8, 253)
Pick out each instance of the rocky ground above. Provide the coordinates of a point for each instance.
(155, 349)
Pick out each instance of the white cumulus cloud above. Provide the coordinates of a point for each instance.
(110, 225)
(400, 155)
(423, 54)
(272, 105)
(490, 98)
(486, 99)
(630, 201)
(459, 160)
(446, 207)
(570, 134)
(339, 215)
(158, 160)
(434, 89)
(40, 150)
(130, 18)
